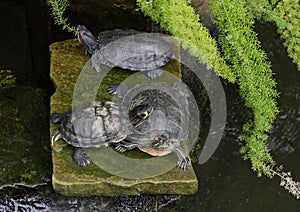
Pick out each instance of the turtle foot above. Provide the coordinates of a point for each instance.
(184, 163)
(120, 148)
(153, 74)
(56, 118)
(113, 89)
(124, 146)
(97, 69)
(118, 90)
(80, 157)
(57, 135)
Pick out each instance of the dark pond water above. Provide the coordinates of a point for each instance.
(226, 182)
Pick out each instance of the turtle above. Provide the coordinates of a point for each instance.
(127, 49)
(95, 124)
(162, 133)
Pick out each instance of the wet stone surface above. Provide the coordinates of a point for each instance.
(43, 198)
(67, 60)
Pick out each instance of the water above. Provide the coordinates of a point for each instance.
(226, 181)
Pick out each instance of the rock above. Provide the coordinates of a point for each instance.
(67, 60)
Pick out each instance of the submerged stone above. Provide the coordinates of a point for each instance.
(68, 71)
(24, 153)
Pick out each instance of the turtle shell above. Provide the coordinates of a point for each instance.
(162, 132)
(166, 127)
(94, 124)
(129, 49)
(166, 118)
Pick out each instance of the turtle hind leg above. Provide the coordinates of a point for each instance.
(184, 160)
(56, 118)
(153, 74)
(80, 157)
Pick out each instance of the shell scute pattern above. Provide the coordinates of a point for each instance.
(127, 49)
(91, 125)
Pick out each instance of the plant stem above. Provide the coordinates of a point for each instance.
(58, 8)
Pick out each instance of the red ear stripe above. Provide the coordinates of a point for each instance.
(82, 37)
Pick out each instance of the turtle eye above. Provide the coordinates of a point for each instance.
(144, 114)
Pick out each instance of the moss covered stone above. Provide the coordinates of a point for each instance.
(67, 60)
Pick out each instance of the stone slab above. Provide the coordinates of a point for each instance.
(67, 59)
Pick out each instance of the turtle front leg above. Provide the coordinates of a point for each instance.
(96, 61)
(80, 157)
(122, 146)
(184, 160)
(118, 90)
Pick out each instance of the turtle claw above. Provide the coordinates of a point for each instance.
(113, 89)
(184, 163)
(80, 157)
(83, 161)
(97, 69)
(118, 90)
(120, 148)
(153, 74)
(57, 135)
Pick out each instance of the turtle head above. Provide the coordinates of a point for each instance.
(87, 39)
(140, 114)
(161, 142)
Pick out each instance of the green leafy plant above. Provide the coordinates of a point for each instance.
(7, 79)
(286, 15)
(177, 17)
(58, 8)
(241, 47)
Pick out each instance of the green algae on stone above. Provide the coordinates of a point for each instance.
(24, 152)
(70, 179)
(68, 60)
(7, 79)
